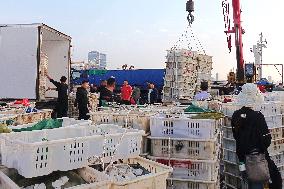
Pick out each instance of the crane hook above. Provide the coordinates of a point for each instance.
(190, 9)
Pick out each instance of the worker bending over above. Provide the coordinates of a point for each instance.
(62, 100)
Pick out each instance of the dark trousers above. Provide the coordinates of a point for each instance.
(126, 102)
(83, 113)
(274, 175)
(61, 110)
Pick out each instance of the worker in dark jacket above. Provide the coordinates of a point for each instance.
(82, 101)
(252, 135)
(106, 93)
(62, 100)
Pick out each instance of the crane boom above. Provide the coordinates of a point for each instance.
(238, 31)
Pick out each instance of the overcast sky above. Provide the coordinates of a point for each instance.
(139, 32)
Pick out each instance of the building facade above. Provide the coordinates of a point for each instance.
(97, 59)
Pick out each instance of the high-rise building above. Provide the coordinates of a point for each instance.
(94, 57)
(97, 59)
(103, 62)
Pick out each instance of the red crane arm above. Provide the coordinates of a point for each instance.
(238, 31)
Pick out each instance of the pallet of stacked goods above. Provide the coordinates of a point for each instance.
(130, 118)
(93, 101)
(274, 119)
(191, 145)
(73, 111)
(185, 70)
(42, 75)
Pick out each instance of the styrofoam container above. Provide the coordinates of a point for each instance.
(173, 183)
(94, 178)
(184, 148)
(155, 180)
(205, 170)
(182, 126)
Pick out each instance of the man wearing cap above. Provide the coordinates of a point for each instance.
(62, 100)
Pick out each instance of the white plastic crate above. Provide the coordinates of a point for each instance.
(276, 132)
(267, 108)
(155, 180)
(182, 85)
(230, 156)
(185, 148)
(227, 132)
(119, 143)
(135, 120)
(173, 183)
(231, 168)
(65, 123)
(234, 182)
(39, 153)
(276, 147)
(229, 144)
(182, 126)
(205, 170)
(94, 178)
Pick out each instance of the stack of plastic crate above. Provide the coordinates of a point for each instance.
(185, 70)
(131, 118)
(42, 75)
(274, 118)
(71, 149)
(73, 111)
(190, 146)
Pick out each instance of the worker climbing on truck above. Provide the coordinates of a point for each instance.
(62, 100)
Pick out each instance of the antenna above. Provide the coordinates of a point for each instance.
(257, 50)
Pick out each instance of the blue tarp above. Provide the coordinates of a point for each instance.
(138, 77)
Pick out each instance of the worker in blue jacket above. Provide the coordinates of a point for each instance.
(152, 94)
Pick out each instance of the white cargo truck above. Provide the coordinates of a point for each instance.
(26, 50)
